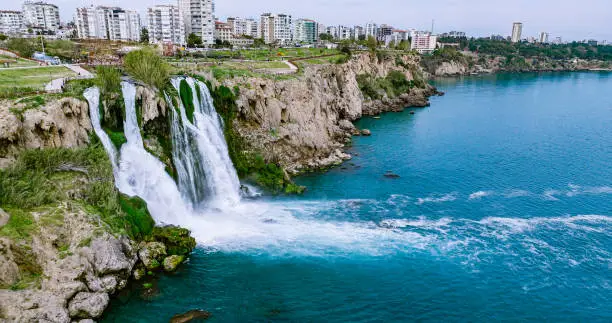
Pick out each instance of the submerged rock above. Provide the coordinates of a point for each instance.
(190, 316)
(366, 132)
(390, 174)
(170, 263)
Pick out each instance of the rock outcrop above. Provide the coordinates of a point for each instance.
(303, 123)
(60, 123)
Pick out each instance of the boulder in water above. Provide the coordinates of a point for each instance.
(178, 241)
(151, 254)
(190, 316)
(171, 262)
(366, 132)
(390, 174)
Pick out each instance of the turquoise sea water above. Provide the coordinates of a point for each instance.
(503, 211)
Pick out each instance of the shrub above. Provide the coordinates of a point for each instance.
(148, 67)
(187, 99)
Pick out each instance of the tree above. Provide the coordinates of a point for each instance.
(194, 40)
(25, 47)
(3, 37)
(258, 42)
(361, 37)
(144, 35)
(372, 43)
(326, 36)
(403, 45)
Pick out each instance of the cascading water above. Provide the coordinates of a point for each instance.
(93, 98)
(201, 151)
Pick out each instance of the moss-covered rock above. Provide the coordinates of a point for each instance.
(172, 262)
(152, 254)
(178, 241)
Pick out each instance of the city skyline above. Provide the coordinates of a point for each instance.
(476, 17)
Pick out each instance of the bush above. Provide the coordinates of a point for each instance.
(148, 67)
(187, 99)
(25, 47)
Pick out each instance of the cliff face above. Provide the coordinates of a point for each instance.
(304, 123)
(60, 123)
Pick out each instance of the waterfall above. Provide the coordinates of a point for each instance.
(201, 151)
(205, 174)
(93, 98)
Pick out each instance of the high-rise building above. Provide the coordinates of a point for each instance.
(198, 17)
(517, 30)
(11, 22)
(384, 31)
(166, 25)
(357, 31)
(371, 29)
(277, 28)
(283, 29)
(112, 23)
(244, 26)
(266, 28)
(306, 31)
(423, 42)
(344, 32)
(543, 37)
(41, 15)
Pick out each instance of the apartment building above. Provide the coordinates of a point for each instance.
(111, 23)
(423, 42)
(198, 17)
(41, 15)
(166, 25)
(11, 22)
(223, 31)
(306, 31)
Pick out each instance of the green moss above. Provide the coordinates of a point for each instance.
(137, 216)
(85, 242)
(19, 226)
(178, 240)
(28, 280)
(187, 99)
(117, 137)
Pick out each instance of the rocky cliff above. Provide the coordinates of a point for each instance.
(304, 122)
(60, 123)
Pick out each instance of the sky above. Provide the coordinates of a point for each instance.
(569, 19)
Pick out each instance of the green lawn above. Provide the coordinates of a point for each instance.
(16, 62)
(34, 78)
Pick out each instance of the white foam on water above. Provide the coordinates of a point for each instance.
(480, 194)
(437, 198)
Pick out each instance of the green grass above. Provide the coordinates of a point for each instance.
(16, 62)
(34, 78)
(20, 225)
(36, 180)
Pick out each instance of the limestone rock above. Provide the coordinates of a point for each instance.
(152, 254)
(88, 305)
(4, 217)
(366, 132)
(9, 271)
(171, 262)
(109, 256)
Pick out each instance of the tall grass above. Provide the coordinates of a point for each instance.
(145, 65)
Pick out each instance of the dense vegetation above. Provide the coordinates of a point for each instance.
(148, 67)
(447, 54)
(393, 85)
(528, 50)
(45, 177)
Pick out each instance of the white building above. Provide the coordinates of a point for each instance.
(244, 26)
(11, 22)
(344, 32)
(198, 17)
(397, 36)
(277, 28)
(223, 31)
(41, 15)
(517, 30)
(371, 29)
(333, 31)
(543, 37)
(423, 42)
(305, 31)
(111, 23)
(357, 31)
(166, 25)
(283, 29)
